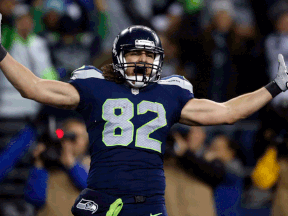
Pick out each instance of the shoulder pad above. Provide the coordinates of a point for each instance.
(85, 72)
(177, 80)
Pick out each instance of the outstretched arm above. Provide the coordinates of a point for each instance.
(206, 112)
(50, 92)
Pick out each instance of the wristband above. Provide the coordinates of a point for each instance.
(273, 88)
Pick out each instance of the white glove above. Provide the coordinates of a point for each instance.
(282, 76)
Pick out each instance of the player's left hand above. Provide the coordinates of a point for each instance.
(282, 76)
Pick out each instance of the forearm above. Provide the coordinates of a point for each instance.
(207, 112)
(245, 105)
(49, 92)
(19, 76)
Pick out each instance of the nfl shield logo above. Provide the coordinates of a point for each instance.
(135, 91)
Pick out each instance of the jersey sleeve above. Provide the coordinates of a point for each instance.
(187, 91)
(80, 79)
(182, 88)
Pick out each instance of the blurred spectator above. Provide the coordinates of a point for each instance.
(223, 48)
(32, 51)
(185, 27)
(172, 64)
(243, 15)
(261, 10)
(216, 75)
(60, 170)
(228, 193)
(194, 158)
(68, 32)
(73, 48)
(12, 179)
(261, 178)
(6, 9)
(275, 43)
(190, 178)
(279, 157)
(264, 177)
(51, 12)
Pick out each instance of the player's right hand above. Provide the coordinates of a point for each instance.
(282, 76)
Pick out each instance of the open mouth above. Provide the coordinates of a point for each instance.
(140, 70)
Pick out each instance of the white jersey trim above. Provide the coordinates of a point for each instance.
(181, 82)
(85, 74)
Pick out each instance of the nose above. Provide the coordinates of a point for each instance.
(143, 57)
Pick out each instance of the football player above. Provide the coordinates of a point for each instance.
(129, 110)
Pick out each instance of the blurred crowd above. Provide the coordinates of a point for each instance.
(223, 47)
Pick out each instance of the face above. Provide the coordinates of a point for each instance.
(220, 146)
(223, 21)
(196, 135)
(282, 23)
(81, 141)
(24, 24)
(7, 6)
(51, 19)
(140, 57)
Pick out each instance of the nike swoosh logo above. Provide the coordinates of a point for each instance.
(155, 214)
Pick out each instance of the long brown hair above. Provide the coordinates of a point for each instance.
(110, 75)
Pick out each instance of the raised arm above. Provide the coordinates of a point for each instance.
(206, 112)
(50, 92)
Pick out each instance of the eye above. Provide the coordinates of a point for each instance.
(150, 55)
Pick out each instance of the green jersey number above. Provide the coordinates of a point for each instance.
(121, 121)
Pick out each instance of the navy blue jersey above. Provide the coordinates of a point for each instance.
(128, 129)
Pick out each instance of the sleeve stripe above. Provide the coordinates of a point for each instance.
(85, 74)
(179, 81)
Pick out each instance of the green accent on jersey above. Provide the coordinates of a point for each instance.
(155, 214)
(80, 68)
(115, 208)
